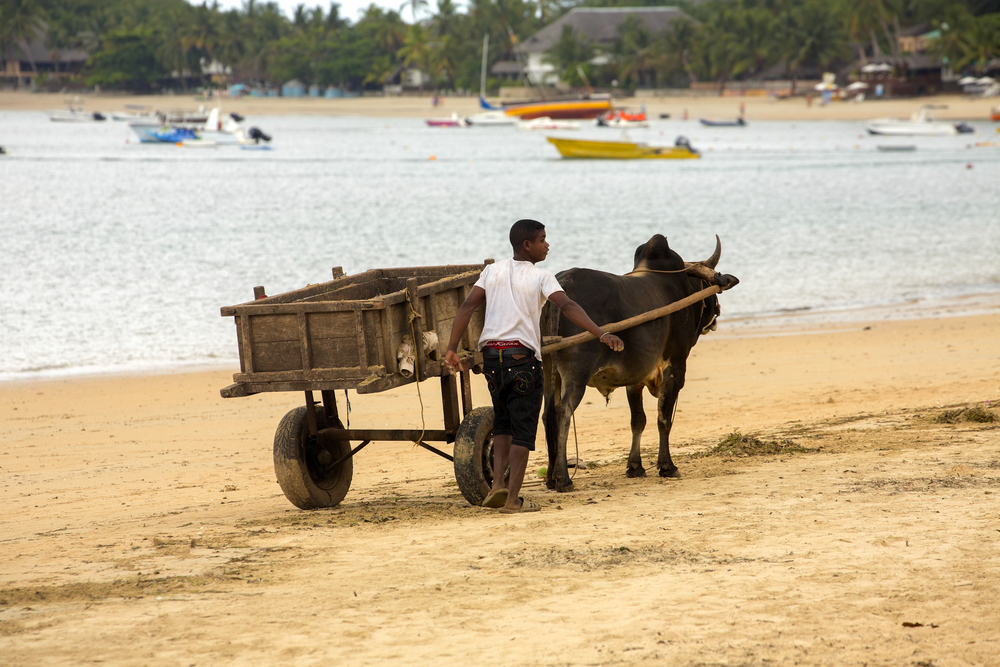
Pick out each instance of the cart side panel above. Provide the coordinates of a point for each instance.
(334, 342)
(275, 342)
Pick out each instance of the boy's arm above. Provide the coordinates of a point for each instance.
(578, 316)
(475, 299)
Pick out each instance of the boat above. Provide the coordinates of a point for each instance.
(921, 123)
(587, 108)
(622, 150)
(739, 122)
(995, 114)
(623, 119)
(490, 119)
(74, 115)
(546, 123)
(454, 121)
(135, 112)
(218, 129)
(896, 148)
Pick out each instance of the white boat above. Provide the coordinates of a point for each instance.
(921, 123)
(74, 115)
(490, 119)
(218, 130)
(546, 123)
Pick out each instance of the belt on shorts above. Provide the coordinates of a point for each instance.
(494, 353)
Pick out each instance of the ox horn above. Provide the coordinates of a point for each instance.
(706, 269)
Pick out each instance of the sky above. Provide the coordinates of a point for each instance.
(349, 9)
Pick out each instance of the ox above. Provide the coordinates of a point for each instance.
(655, 355)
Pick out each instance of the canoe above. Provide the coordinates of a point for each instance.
(620, 150)
(739, 122)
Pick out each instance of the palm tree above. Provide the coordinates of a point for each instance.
(754, 37)
(678, 42)
(414, 6)
(415, 51)
(814, 37)
(863, 16)
(21, 22)
(633, 51)
(570, 51)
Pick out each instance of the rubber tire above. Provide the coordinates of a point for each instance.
(296, 467)
(474, 455)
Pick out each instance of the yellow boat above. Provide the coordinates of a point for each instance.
(622, 150)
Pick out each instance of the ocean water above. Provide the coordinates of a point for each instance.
(117, 256)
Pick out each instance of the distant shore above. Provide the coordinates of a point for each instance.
(959, 107)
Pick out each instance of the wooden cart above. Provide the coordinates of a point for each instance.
(369, 332)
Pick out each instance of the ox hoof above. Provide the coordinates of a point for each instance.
(635, 472)
(672, 472)
(550, 484)
(566, 488)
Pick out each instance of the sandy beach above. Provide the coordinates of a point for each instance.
(757, 108)
(143, 524)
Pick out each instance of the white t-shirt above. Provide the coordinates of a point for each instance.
(515, 294)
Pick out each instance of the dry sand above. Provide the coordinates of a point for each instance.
(142, 523)
(757, 108)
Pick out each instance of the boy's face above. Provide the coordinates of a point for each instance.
(536, 250)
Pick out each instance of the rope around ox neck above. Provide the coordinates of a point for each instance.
(654, 271)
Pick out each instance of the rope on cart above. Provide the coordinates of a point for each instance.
(348, 401)
(416, 371)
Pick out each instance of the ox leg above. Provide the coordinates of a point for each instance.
(557, 476)
(665, 416)
(638, 423)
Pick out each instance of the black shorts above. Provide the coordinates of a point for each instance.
(516, 389)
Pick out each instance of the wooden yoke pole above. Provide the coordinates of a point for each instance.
(633, 321)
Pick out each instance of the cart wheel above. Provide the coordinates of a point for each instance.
(474, 455)
(301, 463)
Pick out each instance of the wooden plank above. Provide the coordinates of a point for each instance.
(245, 331)
(239, 345)
(338, 324)
(259, 293)
(330, 404)
(316, 375)
(264, 387)
(388, 352)
(466, 386)
(370, 328)
(335, 353)
(450, 282)
(270, 328)
(439, 271)
(282, 355)
(255, 309)
(373, 385)
(389, 435)
(415, 327)
(449, 402)
(359, 328)
(235, 391)
(304, 344)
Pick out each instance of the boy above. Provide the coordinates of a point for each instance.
(514, 291)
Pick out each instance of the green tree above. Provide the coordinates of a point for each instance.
(21, 21)
(126, 60)
(570, 51)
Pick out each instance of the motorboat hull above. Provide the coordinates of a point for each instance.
(574, 109)
(908, 128)
(619, 150)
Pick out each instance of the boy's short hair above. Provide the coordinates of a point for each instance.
(524, 230)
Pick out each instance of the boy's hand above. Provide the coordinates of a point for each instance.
(454, 362)
(614, 342)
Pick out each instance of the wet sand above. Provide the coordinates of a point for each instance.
(143, 524)
(757, 108)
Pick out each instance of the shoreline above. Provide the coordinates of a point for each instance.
(959, 107)
(781, 324)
